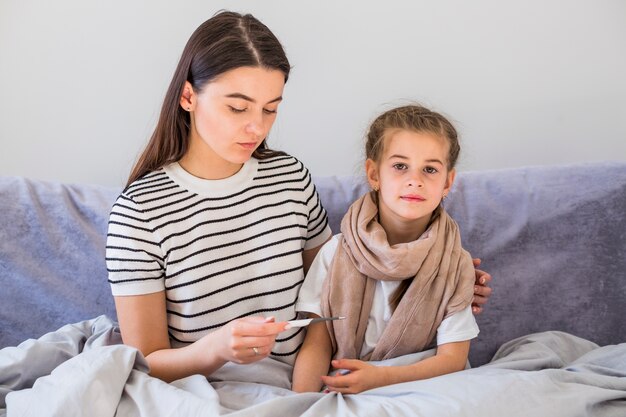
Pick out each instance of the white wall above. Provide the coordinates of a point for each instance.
(528, 82)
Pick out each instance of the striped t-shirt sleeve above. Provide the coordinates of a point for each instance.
(133, 254)
(318, 230)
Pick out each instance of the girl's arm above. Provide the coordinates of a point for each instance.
(143, 323)
(450, 357)
(313, 360)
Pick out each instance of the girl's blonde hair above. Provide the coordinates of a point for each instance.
(414, 118)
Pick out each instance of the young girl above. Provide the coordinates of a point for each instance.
(397, 271)
(209, 242)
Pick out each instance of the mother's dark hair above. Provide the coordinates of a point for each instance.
(226, 41)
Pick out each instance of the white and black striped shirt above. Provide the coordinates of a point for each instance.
(220, 249)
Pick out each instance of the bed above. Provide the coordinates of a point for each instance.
(552, 338)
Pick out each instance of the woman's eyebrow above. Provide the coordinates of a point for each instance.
(250, 99)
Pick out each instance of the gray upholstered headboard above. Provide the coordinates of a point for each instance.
(554, 239)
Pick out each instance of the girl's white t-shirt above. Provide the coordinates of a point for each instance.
(459, 327)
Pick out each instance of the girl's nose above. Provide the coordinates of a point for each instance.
(416, 181)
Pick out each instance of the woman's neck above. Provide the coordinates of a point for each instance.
(202, 162)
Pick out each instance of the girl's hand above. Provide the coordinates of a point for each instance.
(248, 339)
(362, 376)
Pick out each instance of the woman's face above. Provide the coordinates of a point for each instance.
(230, 118)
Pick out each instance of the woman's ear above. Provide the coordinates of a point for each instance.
(187, 97)
(449, 181)
(371, 170)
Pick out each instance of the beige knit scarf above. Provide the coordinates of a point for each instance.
(442, 282)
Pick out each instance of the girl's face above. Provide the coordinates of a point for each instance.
(230, 118)
(412, 178)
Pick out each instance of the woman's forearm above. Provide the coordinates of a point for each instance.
(172, 364)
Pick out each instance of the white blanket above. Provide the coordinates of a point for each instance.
(84, 370)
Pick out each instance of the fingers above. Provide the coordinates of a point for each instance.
(482, 277)
(250, 350)
(479, 301)
(341, 390)
(481, 295)
(259, 352)
(349, 364)
(476, 309)
(257, 326)
(482, 292)
(251, 339)
(337, 382)
(343, 383)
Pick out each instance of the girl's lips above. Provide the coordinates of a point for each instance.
(412, 198)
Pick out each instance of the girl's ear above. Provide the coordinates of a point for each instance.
(187, 98)
(371, 170)
(449, 181)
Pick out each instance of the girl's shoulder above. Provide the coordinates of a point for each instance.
(327, 251)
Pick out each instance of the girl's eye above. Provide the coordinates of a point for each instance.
(268, 111)
(430, 170)
(236, 110)
(400, 166)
